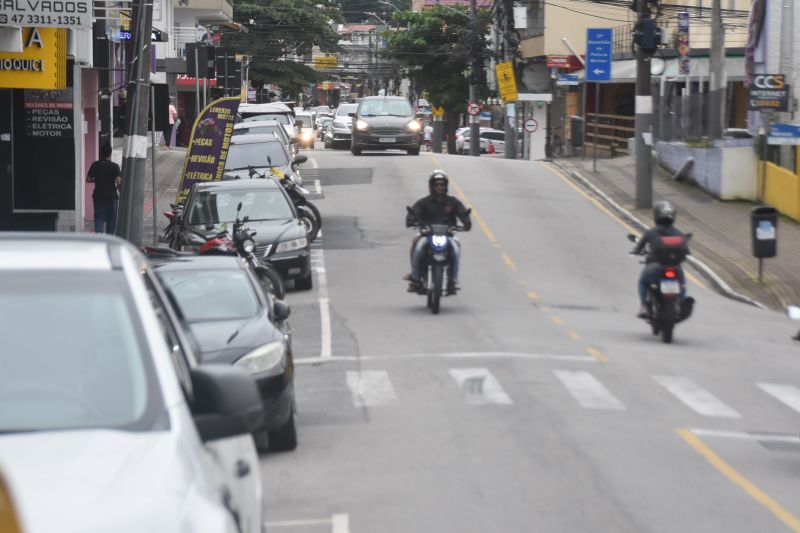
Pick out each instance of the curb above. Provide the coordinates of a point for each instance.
(716, 281)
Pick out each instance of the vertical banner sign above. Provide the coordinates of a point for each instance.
(208, 147)
(683, 43)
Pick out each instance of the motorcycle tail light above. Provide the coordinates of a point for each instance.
(670, 273)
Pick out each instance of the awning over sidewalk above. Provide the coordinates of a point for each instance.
(625, 71)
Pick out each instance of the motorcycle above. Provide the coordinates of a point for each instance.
(308, 212)
(665, 307)
(240, 242)
(436, 262)
(173, 215)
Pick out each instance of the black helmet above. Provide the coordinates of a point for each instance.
(437, 176)
(664, 213)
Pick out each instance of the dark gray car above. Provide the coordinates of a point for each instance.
(383, 122)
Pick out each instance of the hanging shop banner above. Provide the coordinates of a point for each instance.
(208, 147)
(683, 43)
(74, 14)
(42, 64)
(48, 113)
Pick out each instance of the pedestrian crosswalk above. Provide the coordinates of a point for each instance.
(478, 386)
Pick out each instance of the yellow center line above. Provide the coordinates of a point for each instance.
(532, 296)
(597, 354)
(509, 262)
(743, 483)
(610, 213)
(574, 335)
(557, 320)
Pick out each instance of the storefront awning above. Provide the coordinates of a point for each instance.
(625, 71)
(158, 77)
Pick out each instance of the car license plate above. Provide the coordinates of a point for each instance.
(387, 139)
(670, 286)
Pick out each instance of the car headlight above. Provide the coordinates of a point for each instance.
(307, 135)
(262, 358)
(294, 244)
(361, 125)
(413, 126)
(248, 246)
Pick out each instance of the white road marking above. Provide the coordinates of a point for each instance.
(313, 161)
(371, 388)
(480, 387)
(341, 523)
(454, 355)
(787, 394)
(326, 341)
(695, 397)
(739, 435)
(588, 391)
(317, 187)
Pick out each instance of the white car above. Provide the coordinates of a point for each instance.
(273, 111)
(342, 126)
(107, 422)
(304, 122)
(487, 136)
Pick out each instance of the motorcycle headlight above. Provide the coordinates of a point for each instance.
(262, 358)
(361, 125)
(248, 246)
(294, 244)
(413, 126)
(439, 240)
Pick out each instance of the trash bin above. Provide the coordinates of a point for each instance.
(764, 225)
(576, 125)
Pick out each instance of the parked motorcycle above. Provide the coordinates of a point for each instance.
(308, 212)
(436, 262)
(240, 242)
(173, 215)
(665, 308)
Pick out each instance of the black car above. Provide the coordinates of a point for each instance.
(259, 151)
(280, 237)
(382, 122)
(237, 323)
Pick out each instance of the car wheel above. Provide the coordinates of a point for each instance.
(413, 151)
(304, 284)
(285, 438)
(355, 150)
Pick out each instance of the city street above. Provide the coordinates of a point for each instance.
(535, 400)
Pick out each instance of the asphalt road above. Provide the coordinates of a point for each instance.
(535, 401)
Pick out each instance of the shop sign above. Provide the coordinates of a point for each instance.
(768, 92)
(42, 64)
(48, 113)
(325, 62)
(184, 80)
(74, 14)
(208, 146)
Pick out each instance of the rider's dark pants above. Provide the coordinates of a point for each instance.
(651, 274)
(419, 253)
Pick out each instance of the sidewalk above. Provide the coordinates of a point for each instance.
(721, 230)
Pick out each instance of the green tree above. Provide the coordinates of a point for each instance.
(436, 47)
(279, 28)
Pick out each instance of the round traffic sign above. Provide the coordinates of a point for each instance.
(531, 125)
(473, 108)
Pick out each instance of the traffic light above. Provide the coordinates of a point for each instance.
(647, 36)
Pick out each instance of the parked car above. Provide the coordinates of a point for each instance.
(280, 235)
(342, 126)
(383, 122)
(274, 111)
(108, 423)
(236, 323)
(322, 125)
(255, 127)
(260, 151)
(304, 122)
(487, 135)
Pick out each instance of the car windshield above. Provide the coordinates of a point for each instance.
(231, 291)
(219, 206)
(257, 130)
(280, 117)
(258, 154)
(91, 369)
(346, 109)
(395, 108)
(303, 121)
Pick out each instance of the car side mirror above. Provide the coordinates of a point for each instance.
(280, 310)
(209, 227)
(226, 402)
(299, 159)
(294, 140)
(351, 115)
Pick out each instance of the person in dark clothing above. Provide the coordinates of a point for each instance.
(436, 208)
(107, 177)
(651, 242)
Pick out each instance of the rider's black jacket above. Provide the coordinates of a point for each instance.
(434, 209)
(652, 239)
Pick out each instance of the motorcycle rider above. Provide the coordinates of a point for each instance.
(436, 208)
(664, 214)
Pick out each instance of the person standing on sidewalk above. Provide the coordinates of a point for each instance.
(107, 177)
(173, 115)
(428, 136)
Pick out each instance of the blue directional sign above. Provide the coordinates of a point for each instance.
(784, 134)
(598, 54)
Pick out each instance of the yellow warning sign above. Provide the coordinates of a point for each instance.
(437, 111)
(506, 81)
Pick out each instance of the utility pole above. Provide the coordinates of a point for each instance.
(131, 206)
(510, 137)
(644, 37)
(475, 77)
(716, 93)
